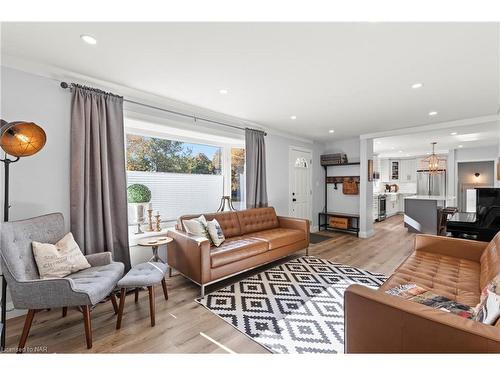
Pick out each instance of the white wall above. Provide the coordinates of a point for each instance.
(39, 184)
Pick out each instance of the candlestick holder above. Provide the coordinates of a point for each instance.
(158, 221)
(150, 220)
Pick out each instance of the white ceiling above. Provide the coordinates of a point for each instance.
(417, 144)
(351, 77)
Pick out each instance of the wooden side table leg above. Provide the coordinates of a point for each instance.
(152, 304)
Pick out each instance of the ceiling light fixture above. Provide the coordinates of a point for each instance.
(417, 85)
(293, 117)
(89, 39)
(433, 161)
(460, 146)
(331, 131)
(433, 113)
(454, 133)
(223, 91)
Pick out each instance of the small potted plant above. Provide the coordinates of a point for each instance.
(138, 195)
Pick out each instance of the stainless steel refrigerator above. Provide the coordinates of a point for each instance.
(431, 184)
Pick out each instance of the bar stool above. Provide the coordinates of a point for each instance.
(140, 276)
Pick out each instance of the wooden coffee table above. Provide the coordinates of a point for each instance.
(154, 243)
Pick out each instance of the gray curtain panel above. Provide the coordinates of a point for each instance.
(255, 157)
(98, 180)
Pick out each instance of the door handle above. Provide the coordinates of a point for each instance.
(294, 200)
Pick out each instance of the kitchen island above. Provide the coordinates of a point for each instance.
(422, 213)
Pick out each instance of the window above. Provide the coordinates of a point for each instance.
(185, 174)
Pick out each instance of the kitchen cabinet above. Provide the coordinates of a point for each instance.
(408, 170)
(384, 170)
(392, 204)
(394, 171)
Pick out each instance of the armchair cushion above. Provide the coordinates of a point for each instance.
(97, 282)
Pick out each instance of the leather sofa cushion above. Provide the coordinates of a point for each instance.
(279, 237)
(257, 219)
(235, 250)
(454, 278)
(228, 221)
(490, 261)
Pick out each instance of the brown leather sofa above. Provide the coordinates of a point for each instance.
(376, 322)
(253, 237)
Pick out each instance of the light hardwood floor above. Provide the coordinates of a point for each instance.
(183, 326)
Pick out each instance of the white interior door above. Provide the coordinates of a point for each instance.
(300, 178)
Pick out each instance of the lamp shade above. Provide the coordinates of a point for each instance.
(21, 138)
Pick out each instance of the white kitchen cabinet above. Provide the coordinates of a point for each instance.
(408, 170)
(384, 170)
(392, 204)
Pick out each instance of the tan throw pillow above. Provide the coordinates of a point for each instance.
(59, 260)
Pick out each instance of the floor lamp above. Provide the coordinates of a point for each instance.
(18, 139)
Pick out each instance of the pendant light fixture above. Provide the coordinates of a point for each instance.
(433, 161)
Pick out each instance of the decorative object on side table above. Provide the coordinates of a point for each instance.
(138, 195)
(19, 139)
(158, 221)
(150, 219)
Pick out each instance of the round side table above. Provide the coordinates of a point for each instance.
(154, 243)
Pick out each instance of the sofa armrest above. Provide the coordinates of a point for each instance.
(190, 255)
(376, 322)
(455, 247)
(294, 223)
(99, 259)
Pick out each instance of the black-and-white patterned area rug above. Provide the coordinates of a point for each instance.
(296, 307)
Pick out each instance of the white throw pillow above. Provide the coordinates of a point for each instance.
(215, 231)
(197, 227)
(488, 309)
(59, 260)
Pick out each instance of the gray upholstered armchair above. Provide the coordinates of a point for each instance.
(83, 288)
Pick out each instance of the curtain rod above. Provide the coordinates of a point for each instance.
(68, 86)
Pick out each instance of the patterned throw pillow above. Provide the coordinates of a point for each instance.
(197, 227)
(215, 231)
(415, 293)
(59, 260)
(488, 309)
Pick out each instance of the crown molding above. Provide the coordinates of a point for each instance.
(60, 74)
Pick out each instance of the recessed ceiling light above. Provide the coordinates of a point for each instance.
(407, 154)
(392, 148)
(433, 113)
(454, 133)
(460, 146)
(400, 151)
(293, 117)
(223, 91)
(417, 85)
(331, 131)
(88, 39)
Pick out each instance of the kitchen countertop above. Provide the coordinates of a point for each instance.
(427, 197)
